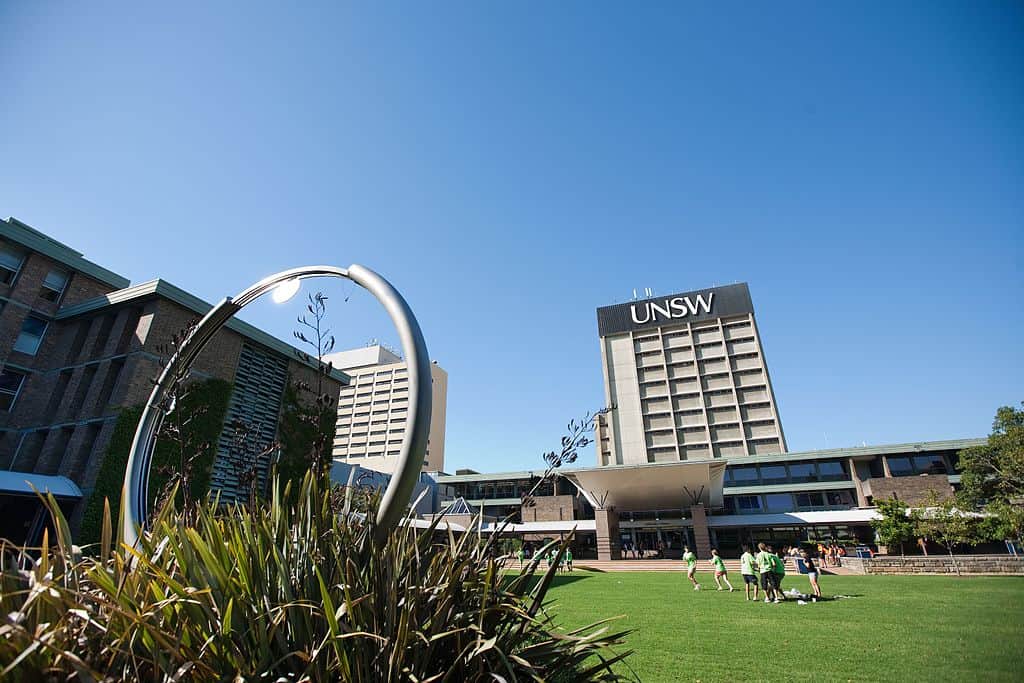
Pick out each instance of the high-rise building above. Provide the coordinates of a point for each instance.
(685, 379)
(373, 410)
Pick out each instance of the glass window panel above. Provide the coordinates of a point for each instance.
(742, 473)
(773, 473)
(32, 330)
(875, 467)
(11, 259)
(931, 464)
(56, 280)
(778, 502)
(900, 465)
(832, 468)
(803, 471)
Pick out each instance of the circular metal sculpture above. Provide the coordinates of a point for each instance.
(134, 493)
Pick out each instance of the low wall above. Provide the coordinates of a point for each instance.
(935, 564)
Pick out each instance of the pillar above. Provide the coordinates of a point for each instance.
(607, 522)
(701, 536)
(862, 500)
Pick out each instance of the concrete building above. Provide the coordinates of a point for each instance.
(78, 346)
(686, 379)
(723, 503)
(372, 411)
(691, 449)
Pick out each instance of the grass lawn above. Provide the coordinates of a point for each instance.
(904, 628)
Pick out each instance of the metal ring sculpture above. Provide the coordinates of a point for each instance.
(134, 493)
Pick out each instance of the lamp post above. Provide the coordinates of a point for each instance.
(134, 492)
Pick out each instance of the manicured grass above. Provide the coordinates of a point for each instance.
(905, 628)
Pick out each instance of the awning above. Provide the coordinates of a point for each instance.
(22, 483)
(666, 486)
(555, 526)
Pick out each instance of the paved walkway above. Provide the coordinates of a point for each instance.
(733, 566)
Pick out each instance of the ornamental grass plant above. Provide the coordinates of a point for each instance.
(286, 591)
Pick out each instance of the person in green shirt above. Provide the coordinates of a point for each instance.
(720, 573)
(748, 572)
(691, 566)
(568, 559)
(779, 569)
(764, 568)
(520, 554)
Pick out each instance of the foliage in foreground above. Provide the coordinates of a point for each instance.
(293, 592)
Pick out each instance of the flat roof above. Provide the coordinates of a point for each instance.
(163, 289)
(824, 454)
(27, 236)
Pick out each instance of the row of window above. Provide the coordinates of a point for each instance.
(788, 502)
(909, 465)
(12, 259)
(792, 473)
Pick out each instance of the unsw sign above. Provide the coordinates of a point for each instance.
(705, 304)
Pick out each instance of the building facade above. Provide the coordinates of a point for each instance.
(725, 503)
(685, 378)
(691, 450)
(373, 410)
(79, 346)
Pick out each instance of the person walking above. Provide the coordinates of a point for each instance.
(812, 574)
(748, 572)
(691, 566)
(720, 572)
(568, 559)
(521, 554)
(764, 568)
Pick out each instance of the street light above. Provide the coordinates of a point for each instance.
(134, 492)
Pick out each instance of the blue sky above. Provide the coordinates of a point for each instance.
(513, 167)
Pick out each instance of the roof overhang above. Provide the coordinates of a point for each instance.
(668, 486)
(28, 484)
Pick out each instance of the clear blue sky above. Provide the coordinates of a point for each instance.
(513, 167)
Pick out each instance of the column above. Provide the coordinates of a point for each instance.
(701, 536)
(607, 522)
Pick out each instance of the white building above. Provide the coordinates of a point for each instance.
(373, 409)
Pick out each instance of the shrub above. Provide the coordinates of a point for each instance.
(286, 591)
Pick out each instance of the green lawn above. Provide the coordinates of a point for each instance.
(906, 628)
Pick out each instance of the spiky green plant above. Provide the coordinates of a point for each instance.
(286, 592)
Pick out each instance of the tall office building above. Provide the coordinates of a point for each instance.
(373, 410)
(686, 379)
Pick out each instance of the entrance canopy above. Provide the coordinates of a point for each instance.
(28, 483)
(662, 486)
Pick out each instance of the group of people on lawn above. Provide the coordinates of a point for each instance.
(764, 570)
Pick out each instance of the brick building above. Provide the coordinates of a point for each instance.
(78, 346)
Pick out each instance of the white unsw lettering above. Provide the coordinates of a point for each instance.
(678, 307)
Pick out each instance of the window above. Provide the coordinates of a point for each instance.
(11, 382)
(929, 464)
(773, 473)
(11, 261)
(748, 503)
(778, 502)
(803, 472)
(832, 470)
(900, 466)
(812, 499)
(836, 498)
(741, 473)
(875, 467)
(32, 330)
(53, 284)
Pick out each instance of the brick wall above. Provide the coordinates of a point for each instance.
(912, 490)
(936, 564)
(551, 509)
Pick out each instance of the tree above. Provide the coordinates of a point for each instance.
(994, 472)
(943, 522)
(1006, 521)
(897, 525)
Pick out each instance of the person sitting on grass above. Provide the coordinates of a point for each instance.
(720, 573)
(691, 566)
(779, 568)
(764, 568)
(748, 572)
(812, 574)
